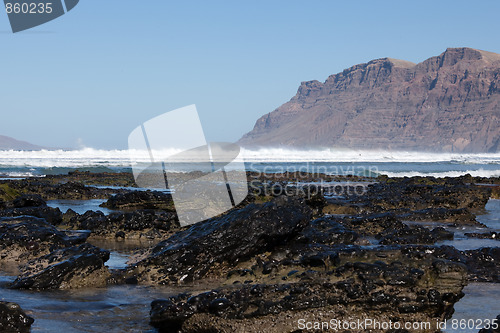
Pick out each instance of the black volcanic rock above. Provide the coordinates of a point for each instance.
(72, 267)
(24, 238)
(140, 200)
(446, 103)
(13, 319)
(397, 286)
(223, 241)
(146, 223)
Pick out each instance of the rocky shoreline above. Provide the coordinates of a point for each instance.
(293, 250)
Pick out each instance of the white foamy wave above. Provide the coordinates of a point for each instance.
(89, 157)
(474, 173)
(18, 174)
(374, 156)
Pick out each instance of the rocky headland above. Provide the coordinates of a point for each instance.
(450, 102)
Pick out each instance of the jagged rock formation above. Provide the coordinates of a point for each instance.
(446, 103)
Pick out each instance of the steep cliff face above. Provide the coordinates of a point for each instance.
(446, 103)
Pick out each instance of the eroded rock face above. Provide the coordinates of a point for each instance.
(214, 246)
(72, 267)
(13, 319)
(445, 103)
(25, 238)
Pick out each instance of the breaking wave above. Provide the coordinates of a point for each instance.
(392, 163)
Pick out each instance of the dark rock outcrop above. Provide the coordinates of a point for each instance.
(445, 103)
(30, 205)
(425, 196)
(140, 200)
(67, 268)
(148, 224)
(216, 245)
(51, 188)
(483, 264)
(485, 235)
(327, 231)
(397, 286)
(25, 238)
(13, 319)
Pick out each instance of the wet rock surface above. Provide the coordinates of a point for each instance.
(57, 189)
(211, 247)
(24, 238)
(13, 319)
(423, 199)
(72, 267)
(484, 235)
(140, 200)
(148, 224)
(483, 264)
(400, 289)
(31, 205)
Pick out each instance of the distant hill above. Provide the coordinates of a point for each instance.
(7, 143)
(450, 102)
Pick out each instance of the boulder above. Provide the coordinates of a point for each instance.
(13, 319)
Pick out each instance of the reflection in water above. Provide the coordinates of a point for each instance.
(79, 206)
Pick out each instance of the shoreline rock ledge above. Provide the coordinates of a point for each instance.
(270, 278)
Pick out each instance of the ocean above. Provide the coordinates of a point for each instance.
(337, 162)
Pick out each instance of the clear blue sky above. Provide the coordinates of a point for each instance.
(97, 72)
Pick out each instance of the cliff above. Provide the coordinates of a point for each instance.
(450, 102)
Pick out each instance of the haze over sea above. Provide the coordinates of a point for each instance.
(333, 161)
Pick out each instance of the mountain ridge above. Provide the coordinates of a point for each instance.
(8, 143)
(449, 102)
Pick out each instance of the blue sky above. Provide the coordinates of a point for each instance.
(93, 75)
